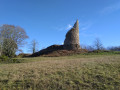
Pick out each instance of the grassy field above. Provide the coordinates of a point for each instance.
(76, 72)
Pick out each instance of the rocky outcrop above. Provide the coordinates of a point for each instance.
(72, 38)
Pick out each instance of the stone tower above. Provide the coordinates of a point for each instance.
(72, 38)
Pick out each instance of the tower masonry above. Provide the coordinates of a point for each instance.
(71, 41)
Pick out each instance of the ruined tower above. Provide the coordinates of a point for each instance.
(72, 38)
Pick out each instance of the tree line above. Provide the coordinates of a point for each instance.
(97, 45)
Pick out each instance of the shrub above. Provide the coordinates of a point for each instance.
(6, 59)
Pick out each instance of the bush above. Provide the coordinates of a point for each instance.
(6, 59)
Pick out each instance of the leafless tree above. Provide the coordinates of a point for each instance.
(11, 38)
(90, 48)
(83, 46)
(87, 47)
(97, 44)
(33, 46)
(16, 33)
(114, 48)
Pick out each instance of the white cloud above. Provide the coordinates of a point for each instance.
(110, 9)
(69, 26)
(63, 28)
(82, 26)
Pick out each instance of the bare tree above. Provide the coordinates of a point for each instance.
(90, 48)
(83, 46)
(34, 46)
(16, 33)
(87, 47)
(97, 44)
(114, 48)
(11, 38)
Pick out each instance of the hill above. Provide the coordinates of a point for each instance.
(57, 50)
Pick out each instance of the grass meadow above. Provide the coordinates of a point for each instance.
(76, 72)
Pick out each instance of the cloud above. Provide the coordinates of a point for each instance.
(82, 26)
(69, 26)
(63, 28)
(110, 9)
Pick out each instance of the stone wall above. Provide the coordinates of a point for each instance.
(72, 38)
(72, 47)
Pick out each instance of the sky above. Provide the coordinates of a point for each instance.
(47, 21)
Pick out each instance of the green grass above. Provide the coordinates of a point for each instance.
(76, 72)
(99, 52)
